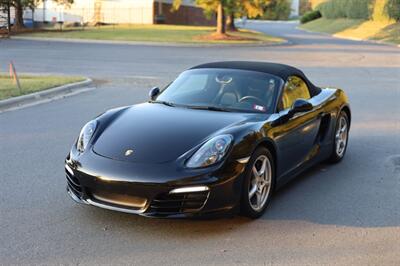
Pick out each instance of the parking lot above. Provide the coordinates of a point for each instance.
(342, 214)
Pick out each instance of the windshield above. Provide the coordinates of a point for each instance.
(223, 90)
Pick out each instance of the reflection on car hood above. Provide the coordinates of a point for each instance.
(156, 133)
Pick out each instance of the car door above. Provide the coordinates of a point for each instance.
(296, 137)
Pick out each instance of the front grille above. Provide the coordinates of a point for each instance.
(73, 183)
(179, 203)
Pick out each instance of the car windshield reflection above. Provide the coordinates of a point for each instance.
(226, 90)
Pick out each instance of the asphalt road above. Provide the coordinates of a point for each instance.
(343, 214)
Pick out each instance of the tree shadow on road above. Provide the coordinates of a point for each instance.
(361, 191)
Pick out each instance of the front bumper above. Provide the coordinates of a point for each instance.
(208, 192)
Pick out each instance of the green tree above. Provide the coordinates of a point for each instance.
(305, 6)
(252, 8)
(393, 9)
(249, 8)
(234, 9)
(277, 10)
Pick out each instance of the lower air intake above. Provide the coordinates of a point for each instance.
(179, 203)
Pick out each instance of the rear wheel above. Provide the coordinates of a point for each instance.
(258, 184)
(340, 138)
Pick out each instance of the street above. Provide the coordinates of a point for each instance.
(347, 213)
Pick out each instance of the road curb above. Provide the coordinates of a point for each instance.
(42, 95)
(350, 38)
(158, 44)
(363, 40)
(239, 21)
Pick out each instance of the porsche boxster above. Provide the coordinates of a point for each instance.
(221, 138)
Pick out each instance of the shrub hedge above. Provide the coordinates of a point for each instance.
(309, 16)
(354, 9)
(393, 9)
(277, 10)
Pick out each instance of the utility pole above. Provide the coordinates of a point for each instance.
(160, 4)
(44, 11)
(160, 18)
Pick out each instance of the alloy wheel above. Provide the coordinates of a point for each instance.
(260, 182)
(341, 136)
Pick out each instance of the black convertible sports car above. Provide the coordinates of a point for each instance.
(220, 138)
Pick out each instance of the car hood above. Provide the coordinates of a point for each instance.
(157, 133)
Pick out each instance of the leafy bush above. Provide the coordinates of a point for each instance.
(305, 7)
(277, 10)
(359, 9)
(393, 9)
(354, 9)
(333, 9)
(309, 16)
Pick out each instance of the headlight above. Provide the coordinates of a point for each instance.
(211, 152)
(85, 135)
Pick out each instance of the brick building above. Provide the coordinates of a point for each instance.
(122, 11)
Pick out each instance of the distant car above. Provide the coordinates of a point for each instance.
(221, 138)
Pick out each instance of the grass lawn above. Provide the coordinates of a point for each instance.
(382, 30)
(152, 33)
(31, 84)
(390, 34)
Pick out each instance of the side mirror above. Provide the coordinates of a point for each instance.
(154, 92)
(300, 106)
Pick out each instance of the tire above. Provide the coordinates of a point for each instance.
(340, 138)
(255, 202)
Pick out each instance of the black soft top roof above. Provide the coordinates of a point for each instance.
(280, 70)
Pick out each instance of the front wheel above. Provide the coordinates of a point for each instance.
(258, 184)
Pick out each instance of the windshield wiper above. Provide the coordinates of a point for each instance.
(165, 103)
(210, 108)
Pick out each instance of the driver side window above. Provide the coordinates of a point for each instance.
(294, 89)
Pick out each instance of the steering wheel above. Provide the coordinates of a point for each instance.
(252, 99)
